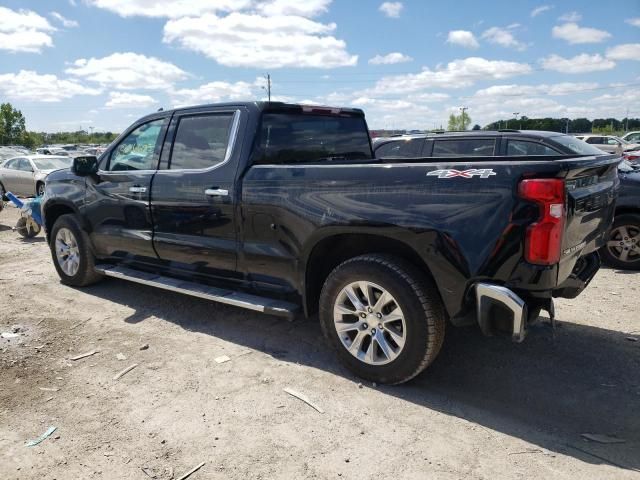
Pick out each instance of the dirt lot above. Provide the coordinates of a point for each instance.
(485, 409)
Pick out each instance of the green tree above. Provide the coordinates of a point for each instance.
(459, 122)
(12, 125)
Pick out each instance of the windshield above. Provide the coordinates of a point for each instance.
(577, 146)
(302, 137)
(52, 163)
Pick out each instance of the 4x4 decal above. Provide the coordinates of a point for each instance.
(474, 172)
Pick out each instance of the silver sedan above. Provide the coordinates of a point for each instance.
(25, 176)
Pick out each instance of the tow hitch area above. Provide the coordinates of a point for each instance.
(488, 297)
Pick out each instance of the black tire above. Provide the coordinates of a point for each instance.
(3, 191)
(613, 255)
(86, 274)
(25, 230)
(39, 189)
(415, 294)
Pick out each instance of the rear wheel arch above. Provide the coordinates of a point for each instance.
(330, 251)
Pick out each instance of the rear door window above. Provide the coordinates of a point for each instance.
(595, 140)
(201, 141)
(404, 148)
(517, 148)
(464, 147)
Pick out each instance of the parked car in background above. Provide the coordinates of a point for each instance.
(632, 137)
(7, 153)
(609, 143)
(623, 246)
(481, 143)
(25, 175)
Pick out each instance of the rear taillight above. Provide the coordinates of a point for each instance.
(544, 238)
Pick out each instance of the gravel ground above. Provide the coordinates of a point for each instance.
(486, 408)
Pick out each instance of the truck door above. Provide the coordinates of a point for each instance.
(193, 197)
(117, 198)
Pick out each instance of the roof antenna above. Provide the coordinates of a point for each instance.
(160, 109)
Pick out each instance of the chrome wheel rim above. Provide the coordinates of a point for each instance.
(369, 323)
(67, 252)
(624, 243)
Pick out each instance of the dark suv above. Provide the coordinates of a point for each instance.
(511, 143)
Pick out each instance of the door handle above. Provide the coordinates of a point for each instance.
(216, 192)
(136, 189)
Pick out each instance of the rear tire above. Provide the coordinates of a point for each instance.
(397, 326)
(72, 254)
(623, 245)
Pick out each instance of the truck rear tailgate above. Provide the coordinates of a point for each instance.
(591, 185)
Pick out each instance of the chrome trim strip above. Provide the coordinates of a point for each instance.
(229, 297)
(507, 298)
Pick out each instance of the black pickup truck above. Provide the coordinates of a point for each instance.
(279, 208)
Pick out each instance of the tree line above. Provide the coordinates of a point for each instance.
(13, 132)
(608, 126)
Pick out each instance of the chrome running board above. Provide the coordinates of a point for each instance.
(230, 297)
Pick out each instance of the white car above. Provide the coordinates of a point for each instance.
(609, 143)
(25, 175)
(632, 137)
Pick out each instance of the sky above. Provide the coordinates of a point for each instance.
(101, 64)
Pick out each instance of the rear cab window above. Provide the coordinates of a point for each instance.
(297, 137)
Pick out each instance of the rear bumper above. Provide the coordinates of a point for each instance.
(487, 296)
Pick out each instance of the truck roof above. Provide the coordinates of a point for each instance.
(260, 106)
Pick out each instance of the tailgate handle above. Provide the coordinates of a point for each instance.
(216, 192)
(137, 189)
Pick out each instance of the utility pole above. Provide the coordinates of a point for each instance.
(515, 117)
(268, 87)
(626, 128)
(464, 109)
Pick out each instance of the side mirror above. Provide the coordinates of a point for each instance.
(86, 165)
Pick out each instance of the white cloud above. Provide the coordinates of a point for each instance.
(456, 74)
(168, 8)
(63, 20)
(575, 34)
(626, 51)
(633, 21)
(128, 71)
(216, 92)
(250, 40)
(28, 85)
(129, 100)
(503, 37)
(391, 9)
(571, 17)
(557, 89)
(582, 63)
(463, 38)
(390, 59)
(24, 31)
(541, 9)
(307, 8)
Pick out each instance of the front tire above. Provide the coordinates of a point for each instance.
(71, 252)
(383, 316)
